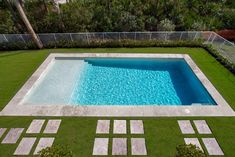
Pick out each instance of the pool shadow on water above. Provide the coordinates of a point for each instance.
(188, 88)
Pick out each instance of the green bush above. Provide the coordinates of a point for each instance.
(7, 46)
(188, 151)
(56, 151)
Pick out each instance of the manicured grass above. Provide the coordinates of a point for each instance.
(162, 135)
(17, 66)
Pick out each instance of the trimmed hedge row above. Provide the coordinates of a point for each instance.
(122, 43)
(101, 44)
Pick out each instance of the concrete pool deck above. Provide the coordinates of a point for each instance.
(16, 108)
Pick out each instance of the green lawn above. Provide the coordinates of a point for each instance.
(162, 134)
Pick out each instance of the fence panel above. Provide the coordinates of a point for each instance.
(47, 38)
(224, 47)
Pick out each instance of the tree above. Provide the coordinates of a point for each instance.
(17, 4)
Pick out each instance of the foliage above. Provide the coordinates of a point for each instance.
(56, 151)
(188, 151)
(17, 46)
(229, 19)
(166, 25)
(6, 23)
(120, 15)
(198, 26)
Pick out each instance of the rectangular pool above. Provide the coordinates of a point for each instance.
(118, 81)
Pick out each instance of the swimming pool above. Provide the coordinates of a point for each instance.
(119, 81)
(114, 84)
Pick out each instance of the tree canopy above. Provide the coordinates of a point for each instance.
(121, 15)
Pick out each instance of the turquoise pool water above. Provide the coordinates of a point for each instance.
(119, 82)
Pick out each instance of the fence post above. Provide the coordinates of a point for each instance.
(135, 36)
(87, 38)
(209, 38)
(150, 36)
(71, 38)
(5, 38)
(181, 35)
(119, 36)
(103, 36)
(165, 35)
(22, 38)
(195, 36)
(54, 37)
(213, 38)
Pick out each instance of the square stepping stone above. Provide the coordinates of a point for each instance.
(100, 146)
(186, 127)
(202, 127)
(137, 127)
(25, 146)
(43, 143)
(103, 126)
(119, 146)
(212, 146)
(2, 131)
(119, 127)
(35, 126)
(138, 146)
(12, 136)
(193, 141)
(52, 126)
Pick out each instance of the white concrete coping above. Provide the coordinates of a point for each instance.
(17, 108)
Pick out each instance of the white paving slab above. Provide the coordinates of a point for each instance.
(119, 146)
(25, 146)
(103, 126)
(193, 141)
(212, 146)
(202, 127)
(52, 126)
(2, 131)
(43, 143)
(119, 127)
(138, 146)
(35, 126)
(186, 127)
(100, 146)
(13, 135)
(137, 127)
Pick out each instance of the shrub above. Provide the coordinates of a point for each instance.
(166, 25)
(188, 151)
(5, 46)
(56, 151)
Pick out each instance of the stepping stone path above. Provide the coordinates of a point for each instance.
(137, 127)
(101, 146)
(212, 146)
(43, 143)
(103, 127)
(2, 131)
(186, 127)
(25, 146)
(119, 145)
(13, 135)
(119, 127)
(193, 141)
(35, 127)
(202, 127)
(138, 146)
(52, 126)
